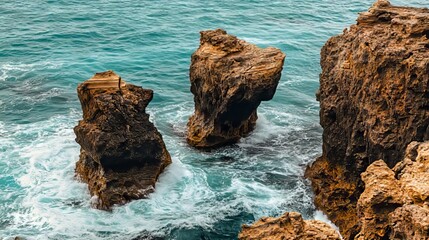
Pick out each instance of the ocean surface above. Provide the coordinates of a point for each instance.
(48, 47)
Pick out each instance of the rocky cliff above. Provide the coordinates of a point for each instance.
(290, 226)
(122, 153)
(229, 79)
(374, 101)
(395, 202)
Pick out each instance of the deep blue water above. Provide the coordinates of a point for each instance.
(48, 47)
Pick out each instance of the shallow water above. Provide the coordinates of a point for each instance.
(48, 47)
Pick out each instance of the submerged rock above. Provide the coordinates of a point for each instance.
(229, 79)
(395, 202)
(290, 226)
(374, 100)
(122, 153)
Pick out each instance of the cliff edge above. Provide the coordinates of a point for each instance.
(374, 101)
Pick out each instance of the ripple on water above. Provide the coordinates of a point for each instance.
(201, 193)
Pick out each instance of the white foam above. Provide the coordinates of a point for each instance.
(260, 41)
(264, 129)
(18, 69)
(3, 75)
(184, 195)
(257, 197)
(48, 181)
(276, 129)
(2, 129)
(319, 215)
(46, 170)
(172, 174)
(43, 96)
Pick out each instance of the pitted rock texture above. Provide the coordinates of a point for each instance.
(229, 79)
(290, 226)
(374, 100)
(335, 194)
(395, 202)
(122, 153)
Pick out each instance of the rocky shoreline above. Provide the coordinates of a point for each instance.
(372, 178)
(374, 102)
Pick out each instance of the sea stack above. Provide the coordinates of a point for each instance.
(374, 101)
(122, 153)
(229, 79)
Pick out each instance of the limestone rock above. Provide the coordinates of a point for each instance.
(229, 79)
(335, 194)
(122, 153)
(374, 100)
(290, 226)
(381, 196)
(395, 203)
(409, 222)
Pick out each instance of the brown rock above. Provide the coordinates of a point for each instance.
(122, 153)
(394, 204)
(409, 222)
(229, 79)
(382, 195)
(335, 194)
(290, 226)
(374, 100)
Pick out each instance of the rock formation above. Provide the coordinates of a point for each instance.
(374, 101)
(290, 226)
(229, 79)
(122, 153)
(395, 202)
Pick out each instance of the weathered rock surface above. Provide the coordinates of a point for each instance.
(229, 79)
(290, 226)
(122, 153)
(395, 202)
(374, 100)
(336, 192)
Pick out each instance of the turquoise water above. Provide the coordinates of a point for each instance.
(48, 47)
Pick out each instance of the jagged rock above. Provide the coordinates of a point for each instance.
(381, 196)
(335, 194)
(395, 203)
(229, 79)
(374, 100)
(290, 226)
(122, 153)
(409, 222)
